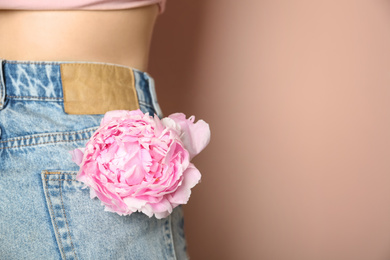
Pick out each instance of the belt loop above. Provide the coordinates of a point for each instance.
(153, 95)
(2, 84)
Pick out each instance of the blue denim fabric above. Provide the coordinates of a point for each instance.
(44, 212)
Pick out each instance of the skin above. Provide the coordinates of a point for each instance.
(113, 36)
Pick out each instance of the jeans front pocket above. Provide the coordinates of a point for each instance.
(83, 229)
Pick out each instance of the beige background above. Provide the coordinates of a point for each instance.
(297, 96)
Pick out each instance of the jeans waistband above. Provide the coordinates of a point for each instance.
(41, 81)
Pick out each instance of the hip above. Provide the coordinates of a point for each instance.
(46, 110)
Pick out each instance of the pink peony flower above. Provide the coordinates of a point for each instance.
(136, 162)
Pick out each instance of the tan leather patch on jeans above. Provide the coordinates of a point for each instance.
(92, 88)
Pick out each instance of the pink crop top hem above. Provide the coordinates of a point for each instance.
(79, 4)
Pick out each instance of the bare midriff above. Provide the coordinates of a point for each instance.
(112, 36)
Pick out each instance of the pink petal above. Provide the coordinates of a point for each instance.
(92, 193)
(195, 137)
(117, 114)
(182, 194)
(162, 206)
(160, 210)
(147, 210)
(77, 155)
(160, 215)
(134, 204)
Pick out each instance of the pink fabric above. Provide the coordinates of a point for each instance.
(78, 4)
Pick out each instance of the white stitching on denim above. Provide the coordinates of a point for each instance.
(54, 217)
(47, 135)
(172, 241)
(66, 219)
(56, 173)
(59, 141)
(65, 62)
(63, 180)
(25, 97)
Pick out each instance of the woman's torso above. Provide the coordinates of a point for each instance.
(114, 36)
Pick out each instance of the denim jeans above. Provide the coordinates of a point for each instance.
(44, 212)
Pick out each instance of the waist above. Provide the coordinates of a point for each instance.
(82, 87)
(51, 102)
(113, 36)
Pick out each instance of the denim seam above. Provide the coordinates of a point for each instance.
(62, 180)
(2, 85)
(146, 104)
(169, 238)
(54, 217)
(172, 240)
(33, 62)
(66, 219)
(67, 62)
(1, 95)
(57, 173)
(153, 95)
(64, 173)
(59, 141)
(28, 97)
(46, 135)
